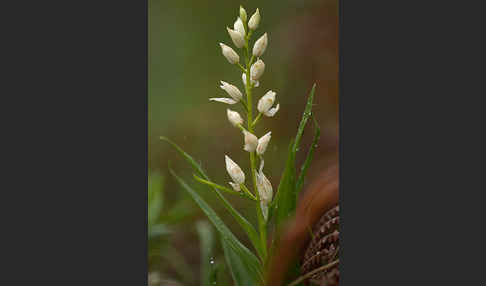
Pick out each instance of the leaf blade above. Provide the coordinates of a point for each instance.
(247, 259)
(285, 201)
(247, 227)
(308, 159)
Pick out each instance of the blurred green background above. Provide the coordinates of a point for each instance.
(185, 67)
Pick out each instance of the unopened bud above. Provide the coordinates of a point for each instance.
(254, 20)
(232, 90)
(234, 117)
(260, 45)
(263, 143)
(264, 187)
(266, 102)
(239, 27)
(243, 15)
(234, 171)
(229, 54)
(255, 83)
(251, 141)
(257, 69)
(237, 37)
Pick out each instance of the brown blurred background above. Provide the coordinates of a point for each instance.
(185, 67)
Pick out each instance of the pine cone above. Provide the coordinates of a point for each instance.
(323, 249)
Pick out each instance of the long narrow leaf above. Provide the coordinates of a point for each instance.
(239, 272)
(245, 258)
(305, 116)
(308, 159)
(285, 201)
(247, 227)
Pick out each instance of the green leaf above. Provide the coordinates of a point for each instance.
(239, 272)
(285, 202)
(206, 242)
(305, 117)
(308, 159)
(247, 227)
(245, 260)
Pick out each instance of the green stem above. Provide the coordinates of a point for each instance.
(256, 119)
(242, 68)
(248, 193)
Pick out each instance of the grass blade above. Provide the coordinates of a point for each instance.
(308, 159)
(247, 227)
(236, 265)
(305, 116)
(285, 201)
(246, 260)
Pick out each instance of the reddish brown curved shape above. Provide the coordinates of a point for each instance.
(321, 196)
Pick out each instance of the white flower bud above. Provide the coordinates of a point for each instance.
(255, 83)
(234, 171)
(264, 187)
(257, 70)
(263, 143)
(239, 27)
(243, 15)
(224, 100)
(260, 45)
(266, 102)
(234, 117)
(229, 54)
(235, 187)
(232, 90)
(237, 37)
(251, 141)
(254, 20)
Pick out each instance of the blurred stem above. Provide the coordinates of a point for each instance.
(248, 89)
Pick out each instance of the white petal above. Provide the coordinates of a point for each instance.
(255, 83)
(234, 171)
(238, 26)
(264, 207)
(235, 187)
(272, 111)
(266, 101)
(224, 100)
(251, 141)
(263, 143)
